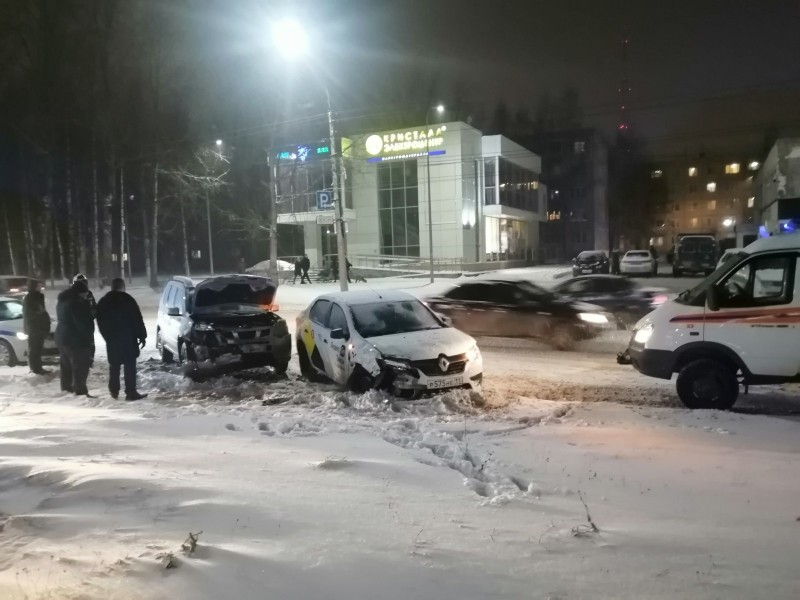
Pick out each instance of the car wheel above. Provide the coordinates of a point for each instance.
(676, 272)
(7, 355)
(708, 383)
(306, 369)
(360, 381)
(166, 355)
(564, 337)
(281, 367)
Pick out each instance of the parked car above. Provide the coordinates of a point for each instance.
(508, 308)
(590, 261)
(13, 340)
(388, 340)
(625, 299)
(13, 286)
(736, 327)
(231, 316)
(638, 262)
(695, 253)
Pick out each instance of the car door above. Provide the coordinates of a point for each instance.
(334, 351)
(315, 335)
(467, 308)
(503, 313)
(759, 316)
(165, 322)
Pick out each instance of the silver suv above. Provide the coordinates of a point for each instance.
(231, 316)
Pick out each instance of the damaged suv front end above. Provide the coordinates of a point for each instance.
(233, 317)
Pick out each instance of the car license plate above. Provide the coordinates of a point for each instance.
(254, 349)
(586, 270)
(445, 382)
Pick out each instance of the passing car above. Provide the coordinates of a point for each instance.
(739, 326)
(590, 261)
(387, 340)
(625, 299)
(638, 262)
(13, 340)
(511, 308)
(14, 286)
(220, 318)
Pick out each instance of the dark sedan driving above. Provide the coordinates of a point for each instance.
(519, 309)
(625, 299)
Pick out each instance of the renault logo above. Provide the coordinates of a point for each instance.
(444, 364)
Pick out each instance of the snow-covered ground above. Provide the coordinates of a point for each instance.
(303, 491)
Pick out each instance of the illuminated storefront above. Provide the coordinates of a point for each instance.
(487, 202)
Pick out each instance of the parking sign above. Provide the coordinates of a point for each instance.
(324, 200)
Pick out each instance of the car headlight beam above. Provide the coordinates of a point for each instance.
(22, 336)
(643, 335)
(473, 353)
(594, 318)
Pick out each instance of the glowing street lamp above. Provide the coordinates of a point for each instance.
(727, 222)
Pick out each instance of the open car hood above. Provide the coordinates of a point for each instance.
(257, 295)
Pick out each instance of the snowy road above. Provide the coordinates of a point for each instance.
(578, 479)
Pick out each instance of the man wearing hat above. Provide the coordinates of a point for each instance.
(75, 335)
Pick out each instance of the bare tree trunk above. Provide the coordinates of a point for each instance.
(122, 222)
(108, 203)
(71, 214)
(82, 257)
(128, 253)
(10, 242)
(52, 245)
(95, 218)
(185, 242)
(154, 236)
(61, 254)
(145, 229)
(27, 233)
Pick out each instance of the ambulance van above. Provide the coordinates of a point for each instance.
(739, 326)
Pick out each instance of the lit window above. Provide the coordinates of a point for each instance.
(753, 166)
(751, 202)
(694, 221)
(712, 205)
(656, 174)
(580, 147)
(692, 171)
(711, 187)
(732, 169)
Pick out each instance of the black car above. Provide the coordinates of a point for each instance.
(627, 300)
(590, 261)
(519, 309)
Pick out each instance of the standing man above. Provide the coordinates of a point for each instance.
(305, 264)
(298, 270)
(121, 325)
(36, 323)
(75, 337)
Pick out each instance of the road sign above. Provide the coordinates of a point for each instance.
(326, 219)
(324, 200)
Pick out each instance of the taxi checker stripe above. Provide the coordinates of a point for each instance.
(780, 315)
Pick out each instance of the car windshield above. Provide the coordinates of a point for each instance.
(10, 311)
(696, 295)
(232, 296)
(590, 256)
(388, 318)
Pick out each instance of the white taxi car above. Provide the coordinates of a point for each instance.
(13, 340)
(637, 262)
(388, 340)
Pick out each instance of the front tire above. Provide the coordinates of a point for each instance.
(707, 383)
(677, 272)
(564, 337)
(360, 381)
(166, 355)
(8, 357)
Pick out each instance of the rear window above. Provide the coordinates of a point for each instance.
(388, 318)
(640, 254)
(18, 283)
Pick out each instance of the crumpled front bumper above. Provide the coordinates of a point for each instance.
(419, 376)
(273, 349)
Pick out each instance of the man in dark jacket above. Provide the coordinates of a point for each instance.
(36, 323)
(121, 325)
(75, 337)
(298, 271)
(305, 264)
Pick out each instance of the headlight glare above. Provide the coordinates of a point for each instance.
(202, 327)
(595, 318)
(474, 353)
(22, 336)
(643, 335)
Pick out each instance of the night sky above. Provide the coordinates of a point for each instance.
(704, 73)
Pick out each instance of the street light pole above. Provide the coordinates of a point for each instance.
(335, 169)
(208, 220)
(440, 109)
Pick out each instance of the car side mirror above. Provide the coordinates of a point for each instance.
(173, 311)
(338, 334)
(448, 322)
(712, 298)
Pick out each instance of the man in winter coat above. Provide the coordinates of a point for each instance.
(75, 337)
(298, 271)
(36, 323)
(305, 264)
(121, 325)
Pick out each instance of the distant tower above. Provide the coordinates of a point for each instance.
(624, 88)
